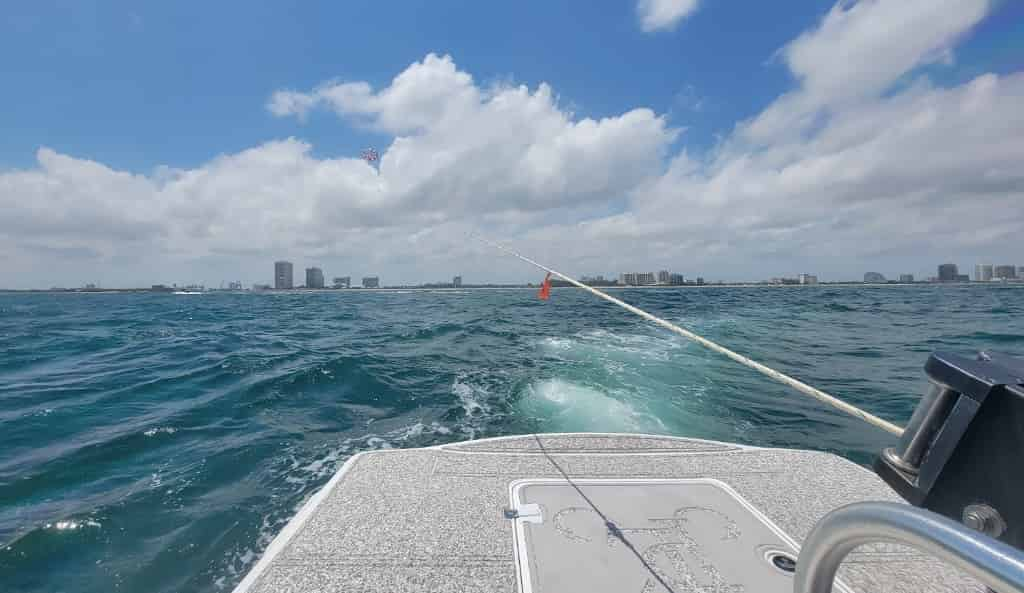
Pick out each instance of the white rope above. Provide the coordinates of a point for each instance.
(769, 372)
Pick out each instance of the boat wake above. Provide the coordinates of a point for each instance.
(563, 406)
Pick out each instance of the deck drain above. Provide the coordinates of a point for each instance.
(782, 561)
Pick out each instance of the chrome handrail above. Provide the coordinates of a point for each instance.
(994, 563)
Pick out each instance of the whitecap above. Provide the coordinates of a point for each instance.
(71, 525)
(472, 397)
(160, 430)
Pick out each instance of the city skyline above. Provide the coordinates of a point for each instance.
(1010, 272)
(283, 279)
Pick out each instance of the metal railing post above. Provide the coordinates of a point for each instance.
(997, 565)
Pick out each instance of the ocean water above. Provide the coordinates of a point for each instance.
(157, 443)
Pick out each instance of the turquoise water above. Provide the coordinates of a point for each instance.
(158, 442)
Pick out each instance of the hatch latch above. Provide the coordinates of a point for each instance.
(527, 512)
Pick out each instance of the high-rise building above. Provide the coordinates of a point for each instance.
(873, 278)
(283, 275)
(314, 278)
(1020, 272)
(457, 282)
(982, 272)
(906, 278)
(676, 279)
(1005, 273)
(646, 278)
(663, 277)
(343, 282)
(371, 282)
(808, 279)
(627, 278)
(948, 273)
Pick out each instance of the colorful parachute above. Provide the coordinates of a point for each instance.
(370, 156)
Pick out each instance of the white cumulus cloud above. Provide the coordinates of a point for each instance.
(858, 51)
(461, 148)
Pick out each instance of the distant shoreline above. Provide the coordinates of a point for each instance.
(399, 289)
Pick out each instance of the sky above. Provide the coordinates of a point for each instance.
(186, 142)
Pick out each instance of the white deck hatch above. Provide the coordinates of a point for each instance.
(645, 536)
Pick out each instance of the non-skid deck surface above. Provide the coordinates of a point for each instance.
(432, 519)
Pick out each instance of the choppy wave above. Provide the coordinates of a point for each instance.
(152, 443)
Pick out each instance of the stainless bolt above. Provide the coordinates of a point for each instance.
(985, 519)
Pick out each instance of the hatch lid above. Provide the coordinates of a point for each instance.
(645, 535)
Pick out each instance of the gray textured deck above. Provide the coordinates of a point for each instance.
(431, 519)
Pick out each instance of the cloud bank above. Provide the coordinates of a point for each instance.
(864, 157)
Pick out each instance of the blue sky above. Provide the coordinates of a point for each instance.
(139, 87)
(179, 82)
(136, 85)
